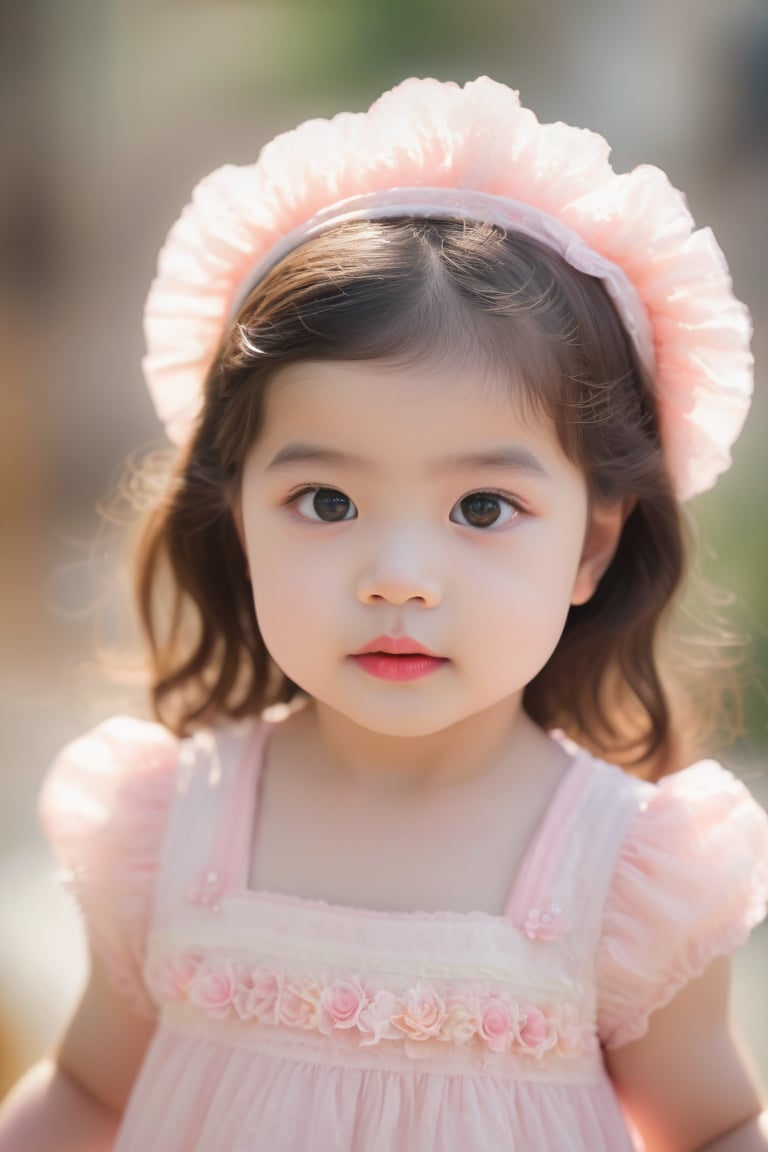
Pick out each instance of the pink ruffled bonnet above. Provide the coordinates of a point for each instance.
(428, 148)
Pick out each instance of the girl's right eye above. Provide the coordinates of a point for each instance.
(324, 504)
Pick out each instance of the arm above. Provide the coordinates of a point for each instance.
(749, 1137)
(73, 1101)
(687, 1084)
(49, 1111)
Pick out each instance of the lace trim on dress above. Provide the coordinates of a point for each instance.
(419, 1017)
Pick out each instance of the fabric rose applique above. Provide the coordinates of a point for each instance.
(419, 1017)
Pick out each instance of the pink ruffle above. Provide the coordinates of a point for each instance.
(426, 134)
(104, 807)
(690, 884)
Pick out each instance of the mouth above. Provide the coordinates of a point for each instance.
(396, 646)
(398, 658)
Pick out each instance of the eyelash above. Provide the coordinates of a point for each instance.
(516, 508)
(513, 505)
(293, 499)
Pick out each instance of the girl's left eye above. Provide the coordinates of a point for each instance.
(324, 504)
(484, 510)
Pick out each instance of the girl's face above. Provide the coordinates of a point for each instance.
(414, 545)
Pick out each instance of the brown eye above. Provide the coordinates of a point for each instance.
(483, 510)
(326, 504)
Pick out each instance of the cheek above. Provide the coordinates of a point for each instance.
(294, 603)
(523, 616)
(525, 601)
(279, 591)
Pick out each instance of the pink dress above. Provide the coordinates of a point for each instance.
(286, 1024)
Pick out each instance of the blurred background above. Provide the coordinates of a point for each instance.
(110, 111)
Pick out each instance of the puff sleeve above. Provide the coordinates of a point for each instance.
(104, 807)
(690, 882)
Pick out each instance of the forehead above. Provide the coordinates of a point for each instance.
(388, 411)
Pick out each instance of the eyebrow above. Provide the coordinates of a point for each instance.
(508, 458)
(302, 453)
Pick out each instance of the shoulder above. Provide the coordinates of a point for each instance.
(698, 821)
(104, 808)
(120, 744)
(689, 883)
(122, 766)
(688, 811)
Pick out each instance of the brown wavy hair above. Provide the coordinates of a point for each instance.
(403, 289)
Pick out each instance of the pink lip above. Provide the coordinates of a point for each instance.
(399, 658)
(396, 646)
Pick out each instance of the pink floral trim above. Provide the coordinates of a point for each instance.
(491, 1021)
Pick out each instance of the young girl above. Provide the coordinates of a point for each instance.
(439, 380)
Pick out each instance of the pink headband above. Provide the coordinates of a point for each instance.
(428, 149)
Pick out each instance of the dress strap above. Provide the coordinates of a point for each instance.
(211, 818)
(566, 873)
(228, 862)
(531, 895)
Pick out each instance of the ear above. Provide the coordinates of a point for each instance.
(601, 540)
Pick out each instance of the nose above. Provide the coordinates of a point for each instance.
(401, 569)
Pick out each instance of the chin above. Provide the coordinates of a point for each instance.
(397, 722)
(407, 729)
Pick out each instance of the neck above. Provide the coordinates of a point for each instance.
(463, 751)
